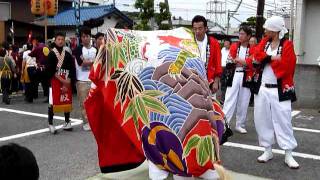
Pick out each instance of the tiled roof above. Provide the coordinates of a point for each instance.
(67, 17)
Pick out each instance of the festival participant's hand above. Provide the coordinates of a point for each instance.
(64, 89)
(215, 87)
(275, 58)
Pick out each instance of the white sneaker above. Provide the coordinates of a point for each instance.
(290, 162)
(241, 130)
(86, 127)
(52, 129)
(67, 126)
(266, 156)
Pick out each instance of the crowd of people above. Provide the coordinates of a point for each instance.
(264, 72)
(37, 63)
(246, 67)
(241, 68)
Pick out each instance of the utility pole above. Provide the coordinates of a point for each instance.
(77, 16)
(45, 22)
(152, 21)
(229, 15)
(259, 22)
(228, 22)
(216, 10)
(291, 20)
(12, 31)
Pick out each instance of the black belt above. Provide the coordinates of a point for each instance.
(271, 85)
(239, 70)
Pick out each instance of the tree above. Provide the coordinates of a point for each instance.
(146, 13)
(163, 16)
(251, 22)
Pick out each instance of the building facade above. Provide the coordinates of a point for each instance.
(306, 39)
(16, 15)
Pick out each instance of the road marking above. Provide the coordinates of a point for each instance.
(306, 130)
(277, 151)
(303, 117)
(294, 113)
(36, 114)
(16, 136)
(75, 122)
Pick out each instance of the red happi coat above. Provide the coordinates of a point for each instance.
(283, 69)
(214, 68)
(117, 149)
(231, 67)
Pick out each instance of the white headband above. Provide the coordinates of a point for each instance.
(276, 24)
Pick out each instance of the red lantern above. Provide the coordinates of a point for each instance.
(52, 7)
(37, 7)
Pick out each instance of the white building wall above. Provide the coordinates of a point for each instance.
(298, 39)
(307, 33)
(312, 32)
(109, 22)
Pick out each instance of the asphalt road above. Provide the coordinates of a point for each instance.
(72, 155)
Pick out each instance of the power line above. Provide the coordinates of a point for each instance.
(242, 3)
(229, 1)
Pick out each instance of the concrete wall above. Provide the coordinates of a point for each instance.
(109, 22)
(307, 83)
(306, 38)
(312, 32)
(307, 32)
(298, 39)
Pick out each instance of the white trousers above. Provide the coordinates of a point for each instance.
(157, 174)
(238, 97)
(273, 119)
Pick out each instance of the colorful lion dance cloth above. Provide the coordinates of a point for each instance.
(152, 100)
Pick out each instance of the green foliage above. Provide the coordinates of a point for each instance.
(163, 16)
(146, 13)
(251, 22)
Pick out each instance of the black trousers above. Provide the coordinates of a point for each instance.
(51, 114)
(31, 90)
(223, 82)
(5, 87)
(43, 79)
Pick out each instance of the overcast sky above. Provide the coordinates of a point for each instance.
(187, 9)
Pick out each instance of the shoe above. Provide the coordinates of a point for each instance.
(266, 156)
(241, 130)
(67, 126)
(86, 127)
(289, 160)
(52, 129)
